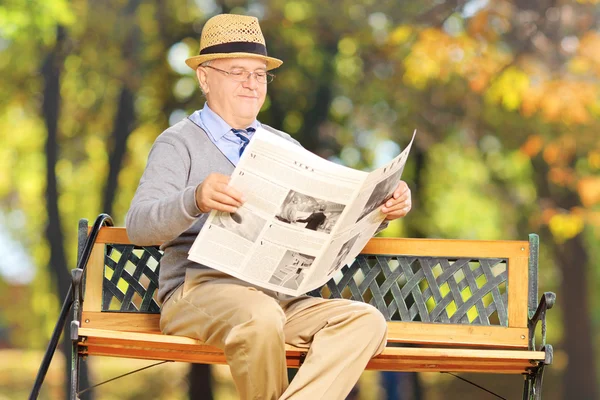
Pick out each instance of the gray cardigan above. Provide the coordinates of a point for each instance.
(164, 208)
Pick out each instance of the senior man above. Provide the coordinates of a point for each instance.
(186, 177)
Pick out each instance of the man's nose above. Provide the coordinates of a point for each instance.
(251, 82)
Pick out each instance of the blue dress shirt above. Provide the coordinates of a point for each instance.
(220, 133)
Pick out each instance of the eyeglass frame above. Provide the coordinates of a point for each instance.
(268, 76)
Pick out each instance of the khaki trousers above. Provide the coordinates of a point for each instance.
(252, 325)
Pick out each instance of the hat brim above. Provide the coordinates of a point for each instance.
(194, 62)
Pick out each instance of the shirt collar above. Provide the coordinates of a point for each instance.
(215, 125)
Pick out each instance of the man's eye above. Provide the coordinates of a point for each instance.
(260, 74)
(237, 73)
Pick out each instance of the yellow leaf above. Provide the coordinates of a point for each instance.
(594, 159)
(565, 226)
(509, 88)
(579, 65)
(551, 153)
(589, 190)
(400, 34)
(532, 146)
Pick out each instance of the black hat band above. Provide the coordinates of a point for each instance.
(236, 47)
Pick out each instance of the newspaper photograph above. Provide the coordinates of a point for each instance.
(304, 217)
(308, 212)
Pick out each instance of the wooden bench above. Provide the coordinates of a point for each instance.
(460, 305)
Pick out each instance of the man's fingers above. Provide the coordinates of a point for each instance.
(225, 199)
(215, 205)
(216, 194)
(401, 189)
(220, 202)
(396, 207)
(232, 193)
(394, 216)
(400, 192)
(402, 199)
(397, 213)
(400, 203)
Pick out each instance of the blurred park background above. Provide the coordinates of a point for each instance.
(504, 94)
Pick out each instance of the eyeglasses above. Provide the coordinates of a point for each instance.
(241, 75)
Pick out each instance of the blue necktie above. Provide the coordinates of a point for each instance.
(241, 134)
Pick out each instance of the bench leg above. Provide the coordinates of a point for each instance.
(526, 385)
(74, 373)
(77, 276)
(532, 388)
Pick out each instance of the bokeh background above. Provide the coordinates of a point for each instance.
(504, 94)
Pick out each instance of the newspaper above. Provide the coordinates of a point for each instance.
(303, 219)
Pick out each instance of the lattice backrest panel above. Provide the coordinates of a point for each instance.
(427, 289)
(403, 288)
(131, 279)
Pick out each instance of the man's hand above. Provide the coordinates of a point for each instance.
(216, 194)
(400, 203)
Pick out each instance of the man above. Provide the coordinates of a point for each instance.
(186, 177)
(315, 219)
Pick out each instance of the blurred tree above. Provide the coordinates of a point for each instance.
(84, 68)
(509, 79)
(504, 94)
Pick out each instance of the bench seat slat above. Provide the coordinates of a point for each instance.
(378, 363)
(398, 332)
(177, 348)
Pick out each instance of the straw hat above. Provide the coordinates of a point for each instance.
(232, 36)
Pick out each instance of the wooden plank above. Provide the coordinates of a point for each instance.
(162, 347)
(518, 286)
(454, 364)
(157, 340)
(457, 335)
(113, 235)
(426, 364)
(398, 332)
(406, 246)
(107, 336)
(124, 345)
(445, 247)
(424, 354)
(374, 364)
(94, 274)
(156, 354)
(133, 322)
(464, 354)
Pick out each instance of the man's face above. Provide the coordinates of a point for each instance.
(238, 103)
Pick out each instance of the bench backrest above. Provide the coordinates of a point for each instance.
(443, 292)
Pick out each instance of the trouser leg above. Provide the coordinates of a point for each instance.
(243, 321)
(342, 336)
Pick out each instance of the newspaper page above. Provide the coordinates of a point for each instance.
(303, 219)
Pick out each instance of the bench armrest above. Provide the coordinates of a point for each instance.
(84, 250)
(546, 302)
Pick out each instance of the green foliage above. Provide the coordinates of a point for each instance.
(460, 199)
(34, 18)
(507, 121)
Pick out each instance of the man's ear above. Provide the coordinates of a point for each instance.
(202, 79)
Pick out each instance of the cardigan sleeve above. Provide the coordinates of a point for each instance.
(164, 205)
